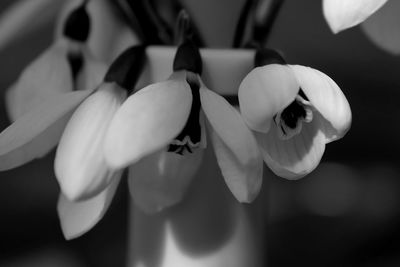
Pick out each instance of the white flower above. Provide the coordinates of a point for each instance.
(343, 14)
(50, 88)
(170, 117)
(87, 184)
(294, 111)
(68, 64)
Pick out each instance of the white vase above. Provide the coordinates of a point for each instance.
(209, 228)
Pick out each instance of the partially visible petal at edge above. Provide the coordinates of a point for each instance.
(147, 121)
(161, 179)
(326, 96)
(25, 16)
(48, 75)
(298, 156)
(235, 147)
(343, 14)
(383, 28)
(34, 134)
(77, 218)
(79, 165)
(264, 92)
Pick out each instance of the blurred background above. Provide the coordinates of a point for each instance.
(346, 213)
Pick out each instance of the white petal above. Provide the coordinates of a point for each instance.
(383, 28)
(264, 92)
(79, 164)
(161, 179)
(295, 157)
(343, 14)
(235, 147)
(24, 17)
(148, 121)
(326, 96)
(45, 77)
(38, 131)
(77, 218)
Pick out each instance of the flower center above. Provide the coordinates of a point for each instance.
(190, 137)
(289, 122)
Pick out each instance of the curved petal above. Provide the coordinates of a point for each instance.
(77, 218)
(326, 96)
(264, 92)
(235, 147)
(161, 179)
(147, 121)
(343, 14)
(45, 77)
(26, 16)
(79, 164)
(38, 131)
(383, 28)
(295, 157)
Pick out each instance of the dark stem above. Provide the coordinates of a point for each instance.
(123, 8)
(154, 31)
(265, 16)
(243, 23)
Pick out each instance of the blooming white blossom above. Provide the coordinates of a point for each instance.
(294, 111)
(67, 72)
(67, 64)
(87, 184)
(169, 117)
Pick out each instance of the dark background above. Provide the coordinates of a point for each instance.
(344, 214)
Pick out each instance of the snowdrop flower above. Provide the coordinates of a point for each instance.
(79, 164)
(65, 66)
(343, 14)
(44, 96)
(165, 123)
(294, 111)
(50, 88)
(87, 183)
(88, 36)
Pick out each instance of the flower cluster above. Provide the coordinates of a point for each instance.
(87, 100)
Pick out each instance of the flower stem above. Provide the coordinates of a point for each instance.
(258, 16)
(243, 22)
(266, 13)
(152, 26)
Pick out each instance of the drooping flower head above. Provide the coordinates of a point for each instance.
(87, 183)
(88, 36)
(165, 122)
(67, 65)
(47, 92)
(51, 87)
(294, 111)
